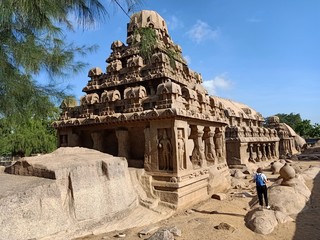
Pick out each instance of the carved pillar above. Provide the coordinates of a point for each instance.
(269, 155)
(97, 141)
(274, 150)
(251, 159)
(147, 150)
(259, 155)
(197, 157)
(219, 145)
(181, 150)
(123, 143)
(264, 155)
(209, 148)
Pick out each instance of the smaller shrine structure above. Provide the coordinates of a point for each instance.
(246, 138)
(290, 142)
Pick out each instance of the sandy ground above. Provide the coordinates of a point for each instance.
(199, 221)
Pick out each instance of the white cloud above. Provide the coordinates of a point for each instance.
(187, 58)
(202, 31)
(219, 82)
(173, 23)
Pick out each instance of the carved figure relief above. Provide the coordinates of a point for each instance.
(259, 155)
(164, 151)
(269, 150)
(210, 152)
(218, 142)
(197, 156)
(251, 158)
(264, 154)
(181, 150)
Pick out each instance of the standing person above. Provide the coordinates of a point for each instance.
(262, 190)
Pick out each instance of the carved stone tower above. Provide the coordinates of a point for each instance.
(151, 108)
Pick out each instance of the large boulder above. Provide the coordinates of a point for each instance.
(289, 199)
(69, 190)
(262, 222)
(219, 180)
(276, 166)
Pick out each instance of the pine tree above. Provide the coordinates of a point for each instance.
(32, 37)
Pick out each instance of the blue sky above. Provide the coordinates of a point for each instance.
(265, 54)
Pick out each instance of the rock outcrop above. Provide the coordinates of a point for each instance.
(68, 191)
(288, 196)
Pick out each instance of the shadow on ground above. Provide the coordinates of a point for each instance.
(216, 212)
(308, 221)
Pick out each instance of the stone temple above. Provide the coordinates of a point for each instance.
(151, 108)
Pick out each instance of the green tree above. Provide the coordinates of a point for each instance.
(33, 40)
(304, 128)
(27, 133)
(315, 132)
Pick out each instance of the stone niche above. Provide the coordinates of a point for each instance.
(153, 111)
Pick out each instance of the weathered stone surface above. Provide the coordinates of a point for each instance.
(219, 181)
(87, 187)
(262, 222)
(239, 174)
(162, 234)
(289, 199)
(287, 173)
(311, 172)
(282, 217)
(276, 166)
(238, 183)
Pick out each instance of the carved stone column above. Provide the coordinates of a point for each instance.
(274, 150)
(123, 143)
(259, 155)
(147, 150)
(250, 146)
(197, 157)
(219, 145)
(264, 155)
(209, 148)
(269, 150)
(181, 150)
